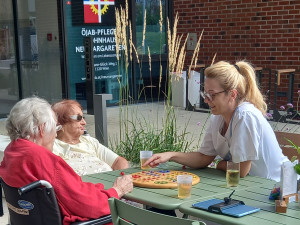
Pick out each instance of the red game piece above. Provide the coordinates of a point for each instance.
(122, 173)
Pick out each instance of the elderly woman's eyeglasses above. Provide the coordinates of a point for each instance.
(210, 97)
(58, 128)
(77, 117)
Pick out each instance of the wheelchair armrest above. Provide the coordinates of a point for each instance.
(34, 185)
(100, 221)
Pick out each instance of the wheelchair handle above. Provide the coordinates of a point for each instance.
(34, 185)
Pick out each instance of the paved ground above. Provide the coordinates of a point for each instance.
(193, 121)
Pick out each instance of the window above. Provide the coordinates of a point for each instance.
(155, 33)
(9, 89)
(151, 36)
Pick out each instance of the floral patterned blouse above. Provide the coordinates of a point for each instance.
(86, 157)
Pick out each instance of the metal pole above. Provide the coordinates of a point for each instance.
(291, 87)
(100, 113)
(276, 114)
(143, 23)
(17, 46)
(89, 74)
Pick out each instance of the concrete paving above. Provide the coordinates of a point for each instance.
(193, 121)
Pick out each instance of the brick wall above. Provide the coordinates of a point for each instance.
(264, 32)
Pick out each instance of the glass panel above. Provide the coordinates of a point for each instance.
(150, 86)
(39, 49)
(154, 39)
(9, 91)
(83, 20)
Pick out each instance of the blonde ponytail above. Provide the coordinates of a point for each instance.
(241, 77)
(252, 92)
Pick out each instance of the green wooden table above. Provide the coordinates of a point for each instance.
(252, 190)
(256, 196)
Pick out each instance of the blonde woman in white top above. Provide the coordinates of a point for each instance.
(238, 129)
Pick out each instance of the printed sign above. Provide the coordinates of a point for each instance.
(95, 19)
(95, 10)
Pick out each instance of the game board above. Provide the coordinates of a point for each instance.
(160, 178)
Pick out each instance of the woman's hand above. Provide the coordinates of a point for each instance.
(156, 159)
(123, 185)
(190, 159)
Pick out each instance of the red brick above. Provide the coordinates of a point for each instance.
(265, 32)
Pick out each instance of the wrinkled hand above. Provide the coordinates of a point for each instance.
(156, 159)
(123, 185)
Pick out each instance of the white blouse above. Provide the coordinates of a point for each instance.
(248, 137)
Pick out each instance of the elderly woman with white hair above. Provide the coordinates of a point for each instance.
(32, 128)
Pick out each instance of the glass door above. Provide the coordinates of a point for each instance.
(150, 24)
(9, 89)
(39, 51)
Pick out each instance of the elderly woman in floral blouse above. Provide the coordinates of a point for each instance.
(83, 153)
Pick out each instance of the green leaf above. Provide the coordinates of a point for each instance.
(293, 158)
(295, 146)
(297, 168)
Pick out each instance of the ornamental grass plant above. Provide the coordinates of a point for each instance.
(159, 131)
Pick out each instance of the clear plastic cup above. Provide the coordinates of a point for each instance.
(184, 184)
(232, 174)
(144, 156)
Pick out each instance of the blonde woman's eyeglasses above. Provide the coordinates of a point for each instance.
(210, 97)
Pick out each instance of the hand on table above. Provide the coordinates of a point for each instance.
(123, 185)
(156, 159)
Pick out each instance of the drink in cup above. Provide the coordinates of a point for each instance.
(232, 174)
(184, 183)
(144, 156)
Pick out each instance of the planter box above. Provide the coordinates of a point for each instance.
(287, 149)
